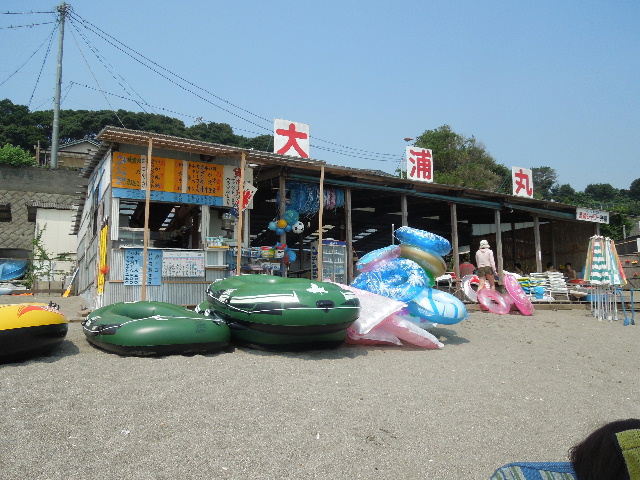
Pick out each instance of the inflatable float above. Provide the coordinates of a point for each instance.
(424, 240)
(436, 306)
(27, 329)
(493, 301)
(400, 279)
(520, 299)
(154, 328)
(279, 313)
(12, 269)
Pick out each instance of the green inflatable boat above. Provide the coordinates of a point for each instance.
(276, 313)
(154, 328)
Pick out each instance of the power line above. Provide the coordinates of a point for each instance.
(31, 25)
(31, 56)
(42, 66)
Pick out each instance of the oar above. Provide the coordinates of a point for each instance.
(67, 292)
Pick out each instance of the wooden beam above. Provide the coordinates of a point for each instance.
(454, 239)
(348, 233)
(500, 259)
(538, 247)
(243, 162)
(145, 234)
(321, 208)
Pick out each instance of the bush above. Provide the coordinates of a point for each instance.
(10, 155)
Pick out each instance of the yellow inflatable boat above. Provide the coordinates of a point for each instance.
(30, 328)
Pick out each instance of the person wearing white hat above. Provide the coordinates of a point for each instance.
(486, 265)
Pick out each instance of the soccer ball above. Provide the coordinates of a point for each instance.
(298, 227)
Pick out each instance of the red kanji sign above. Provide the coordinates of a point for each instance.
(291, 138)
(419, 164)
(522, 180)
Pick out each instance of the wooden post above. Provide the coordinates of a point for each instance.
(500, 260)
(320, 210)
(404, 209)
(348, 234)
(454, 239)
(538, 247)
(282, 208)
(240, 216)
(145, 236)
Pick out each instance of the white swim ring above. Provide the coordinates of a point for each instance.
(467, 282)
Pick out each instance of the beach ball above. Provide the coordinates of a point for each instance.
(291, 216)
(298, 227)
(281, 223)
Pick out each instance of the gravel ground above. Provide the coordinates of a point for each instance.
(504, 388)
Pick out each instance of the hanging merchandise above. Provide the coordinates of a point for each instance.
(298, 227)
(304, 197)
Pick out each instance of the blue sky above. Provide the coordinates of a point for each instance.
(541, 83)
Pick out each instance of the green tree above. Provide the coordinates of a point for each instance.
(619, 223)
(634, 189)
(601, 192)
(18, 128)
(544, 179)
(463, 161)
(10, 155)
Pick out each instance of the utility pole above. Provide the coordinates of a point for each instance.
(55, 135)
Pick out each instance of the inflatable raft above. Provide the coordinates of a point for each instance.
(29, 329)
(276, 313)
(154, 328)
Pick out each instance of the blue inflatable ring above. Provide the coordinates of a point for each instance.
(423, 239)
(438, 307)
(399, 279)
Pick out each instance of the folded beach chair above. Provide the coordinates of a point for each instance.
(535, 471)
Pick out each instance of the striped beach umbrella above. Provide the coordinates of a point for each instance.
(596, 270)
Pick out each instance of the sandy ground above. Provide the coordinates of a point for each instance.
(504, 388)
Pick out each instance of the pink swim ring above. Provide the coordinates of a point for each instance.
(493, 301)
(517, 294)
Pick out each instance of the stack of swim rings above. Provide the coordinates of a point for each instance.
(406, 272)
(501, 303)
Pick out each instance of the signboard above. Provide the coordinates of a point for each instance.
(182, 264)
(522, 181)
(291, 138)
(133, 266)
(419, 164)
(590, 215)
(171, 180)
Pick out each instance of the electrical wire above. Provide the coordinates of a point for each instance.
(42, 66)
(103, 35)
(31, 25)
(50, 37)
(107, 66)
(76, 20)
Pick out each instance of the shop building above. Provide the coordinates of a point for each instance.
(192, 239)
